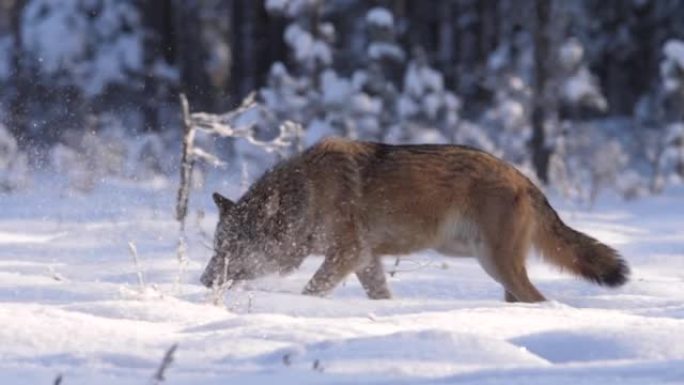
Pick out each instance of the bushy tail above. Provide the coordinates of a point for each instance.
(575, 251)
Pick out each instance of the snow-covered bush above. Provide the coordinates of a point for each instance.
(13, 163)
(596, 155)
(106, 151)
(606, 162)
(85, 159)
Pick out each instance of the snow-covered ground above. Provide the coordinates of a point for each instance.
(71, 304)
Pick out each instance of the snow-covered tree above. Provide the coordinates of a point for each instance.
(427, 111)
(659, 115)
(414, 107)
(89, 44)
(507, 119)
(672, 72)
(581, 165)
(383, 48)
(312, 92)
(579, 88)
(385, 60)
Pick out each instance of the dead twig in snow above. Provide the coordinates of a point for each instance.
(134, 252)
(158, 377)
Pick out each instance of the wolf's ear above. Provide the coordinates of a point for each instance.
(224, 204)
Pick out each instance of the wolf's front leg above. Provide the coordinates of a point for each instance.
(373, 280)
(337, 265)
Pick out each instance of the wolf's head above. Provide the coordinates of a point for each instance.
(242, 243)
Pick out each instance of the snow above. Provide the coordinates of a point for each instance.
(380, 50)
(363, 103)
(582, 87)
(14, 238)
(406, 106)
(42, 31)
(71, 304)
(571, 53)
(673, 64)
(289, 7)
(674, 50)
(336, 90)
(674, 132)
(420, 79)
(276, 5)
(316, 131)
(306, 47)
(380, 17)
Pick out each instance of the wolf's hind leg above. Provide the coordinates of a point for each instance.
(373, 280)
(506, 228)
(512, 276)
(509, 297)
(521, 288)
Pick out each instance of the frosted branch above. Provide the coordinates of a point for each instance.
(229, 125)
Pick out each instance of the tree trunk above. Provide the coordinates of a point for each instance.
(244, 69)
(192, 55)
(445, 43)
(314, 26)
(489, 29)
(18, 109)
(540, 152)
(156, 21)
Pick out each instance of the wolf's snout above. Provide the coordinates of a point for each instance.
(207, 278)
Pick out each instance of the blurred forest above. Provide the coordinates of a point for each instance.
(586, 94)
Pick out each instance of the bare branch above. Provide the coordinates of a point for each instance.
(187, 163)
(228, 125)
(212, 159)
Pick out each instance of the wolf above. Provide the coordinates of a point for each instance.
(354, 202)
